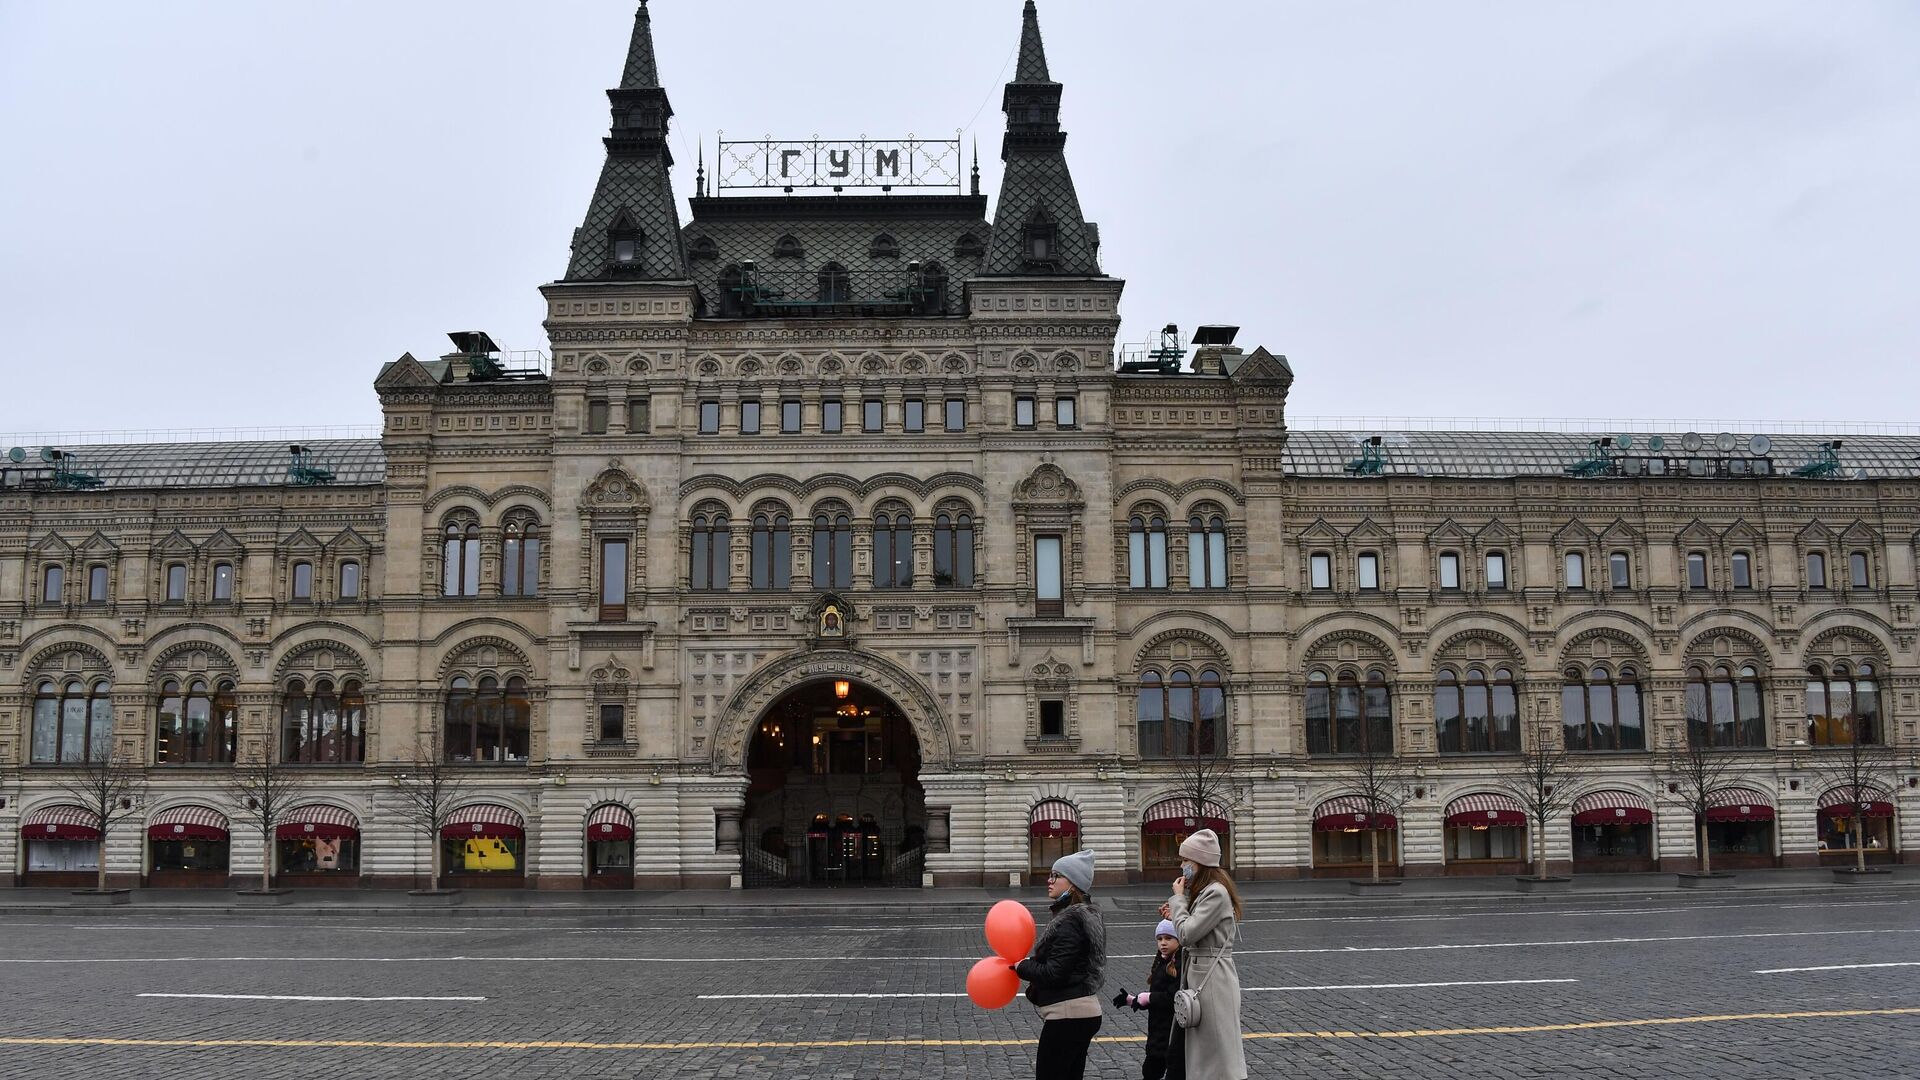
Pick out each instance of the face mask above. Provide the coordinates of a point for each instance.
(1188, 870)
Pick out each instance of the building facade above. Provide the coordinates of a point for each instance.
(834, 546)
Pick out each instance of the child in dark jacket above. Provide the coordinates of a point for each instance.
(1165, 1057)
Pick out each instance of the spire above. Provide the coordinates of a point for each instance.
(1037, 224)
(976, 164)
(642, 73)
(632, 228)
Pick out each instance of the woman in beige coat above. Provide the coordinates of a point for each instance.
(1206, 909)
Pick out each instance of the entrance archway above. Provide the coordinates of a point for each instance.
(833, 791)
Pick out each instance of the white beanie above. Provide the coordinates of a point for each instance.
(1077, 868)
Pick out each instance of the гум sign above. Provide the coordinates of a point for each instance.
(837, 163)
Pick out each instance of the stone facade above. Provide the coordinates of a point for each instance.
(976, 667)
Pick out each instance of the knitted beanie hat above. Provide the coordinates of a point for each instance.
(1202, 847)
(1077, 868)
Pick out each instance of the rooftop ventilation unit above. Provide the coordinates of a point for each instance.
(301, 469)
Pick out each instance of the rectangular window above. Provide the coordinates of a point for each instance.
(1696, 569)
(1857, 570)
(916, 415)
(1047, 584)
(749, 418)
(1742, 571)
(1576, 565)
(830, 417)
(613, 723)
(709, 418)
(790, 417)
(1053, 719)
(1496, 571)
(1369, 571)
(1816, 570)
(222, 581)
(873, 415)
(1449, 570)
(639, 416)
(53, 584)
(350, 581)
(956, 414)
(302, 580)
(176, 582)
(1023, 412)
(596, 417)
(1620, 570)
(1065, 414)
(96, 584)
(1320, 570)
(613, 580)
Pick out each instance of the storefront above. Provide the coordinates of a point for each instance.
(1169, 822)
(610, 847)
(1838, 845)
(62, 847)
(1346, 835)
(317, 845)
(1053, 830)
(1612, 833)
(483, 846)
(1740, 829)
(1486, 833)
(187, 848)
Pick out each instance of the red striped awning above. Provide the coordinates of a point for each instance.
(319, 821)
(1345, 813)
(1054, 817)
(1484, 809)
(1185, 816)
(484, 819)
(1739, 804)
(1840, 802)
(63, 822)
(1612, 808)
(610, 821)
(187, 823)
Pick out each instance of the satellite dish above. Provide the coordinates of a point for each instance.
(1725, 442)
(1691, 442)
(1657, 443)
(48, 453)
(1624, 442)
(1759, 445)
(17, 455)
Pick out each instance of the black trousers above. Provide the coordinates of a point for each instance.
(1063, 1049)
(1167, 1062)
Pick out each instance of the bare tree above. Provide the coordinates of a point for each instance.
(1541, 779)
(1206, 770)
(113, 786)
(1693, 769)
(1383, 783)
(429, 787)
(262, 789)
(1861, 771)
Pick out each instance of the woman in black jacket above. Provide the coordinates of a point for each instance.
(1165, 1060)
(1064, 973)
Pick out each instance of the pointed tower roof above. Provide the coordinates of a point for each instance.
(632, 228)
(1037, 224)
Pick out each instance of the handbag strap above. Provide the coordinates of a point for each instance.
(1221, 955)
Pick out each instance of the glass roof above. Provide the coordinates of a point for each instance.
(1493, 454)
(220, 464)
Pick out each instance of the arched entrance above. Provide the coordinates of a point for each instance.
(833, 790)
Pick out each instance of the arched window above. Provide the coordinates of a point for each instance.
(1147, 551)
(832, 551)
(460, 559)
(321, 726)
(53, 583)
(1843, 706)
(488, 722)
(222, 586)
(1576, 567)
(1182, 716)
(1150, 714)
(520, 557)
(953, 550)
(1210, 735)
(1816, 570)
(772, 551)
(1723, 709)
(1345, 716)
(712, 541)
(195, 725)
(892, 551)
(72, 722)
(836, 287)
(349, 581)
(302, 584)
(1601, 710)
(1478, 715)
(1207, 552)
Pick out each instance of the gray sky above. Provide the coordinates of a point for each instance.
(221, 213)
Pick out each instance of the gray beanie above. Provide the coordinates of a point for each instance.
(1077, 868)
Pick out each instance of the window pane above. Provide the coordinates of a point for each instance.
(1137, 555)
(1576, 570)
(1023, 412)
(916, 415)
(639, 416)
(1149, 718)
(223, 581)
(613, 572)
(1633, 730)
(1369, 571)
(1157, 556)
(782, 555)
(1573, 715)
(749, 418)
(1816, 570)
(1857, 569)
(1064, 412)
(1319, 726)
(842, 554)
(1696, 570)
(882, 553)
(470, 566)
(97, 585)
(830, 417)
(790, 417)
(963, 553)
(177, 581)
(1446, 714)
(1618, 566)
(349, 581)
(303, 579)
(1046, 567)
(873, 415)
(1496, 570)
(1742, 572)
(613, 722)
(596, 418)
(1321, 572)
(709, 417)
(956, 414)
(52, 583)
(1449, 571)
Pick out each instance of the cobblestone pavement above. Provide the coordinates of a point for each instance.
(1591, 972)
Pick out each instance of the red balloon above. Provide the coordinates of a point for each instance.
(1010, 930)
(992, 984)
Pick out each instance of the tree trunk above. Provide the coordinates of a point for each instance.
(1706, 856)
(266, 860)
(433, 851)
(1859, 841)
(1540, 852)
(1373, 847)
(101, 859)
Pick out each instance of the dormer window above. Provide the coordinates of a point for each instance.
(1037, 242)
(835, 286)
(625, 250)
(703, 247)
(623, 244)
(883, 247)
(787, 247)
(968, 246)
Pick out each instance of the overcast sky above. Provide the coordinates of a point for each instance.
(222, 213)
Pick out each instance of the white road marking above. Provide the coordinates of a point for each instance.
(809, 995)
(301, 997)
(1838, 967)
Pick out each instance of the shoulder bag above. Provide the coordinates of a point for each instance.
(1186, 1002)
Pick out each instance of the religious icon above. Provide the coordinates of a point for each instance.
(830, 625)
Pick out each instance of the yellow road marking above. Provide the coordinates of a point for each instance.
(819, 1044)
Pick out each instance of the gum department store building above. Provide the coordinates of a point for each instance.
(835, 547)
